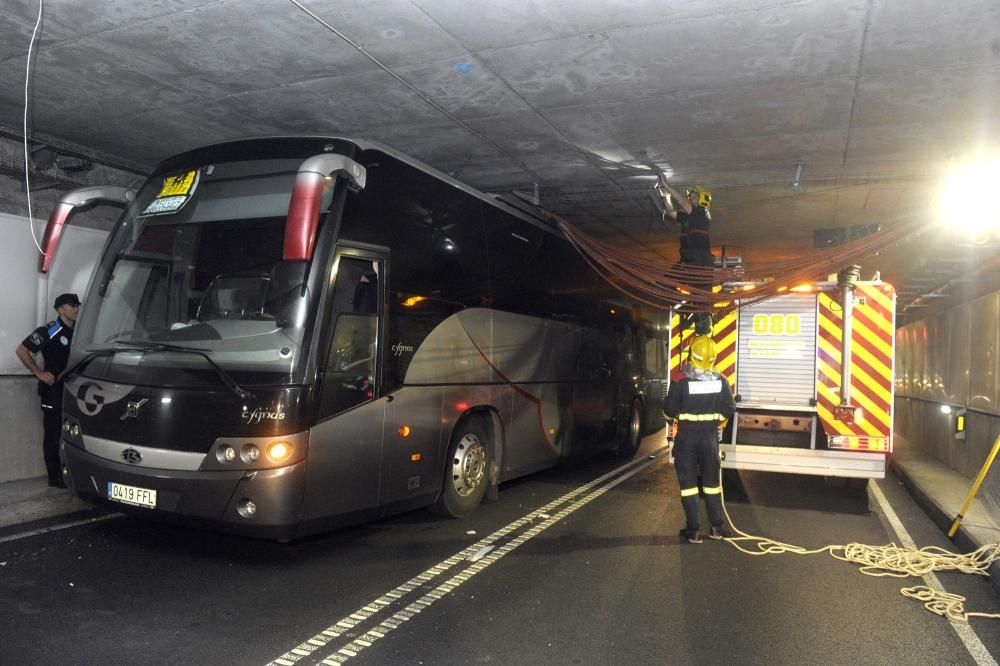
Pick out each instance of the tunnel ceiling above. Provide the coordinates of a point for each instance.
(583, 99)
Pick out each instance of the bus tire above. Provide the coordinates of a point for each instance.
(467, 468)
(632, 437)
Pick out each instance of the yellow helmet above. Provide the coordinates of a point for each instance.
(702, 352)
(704, 196)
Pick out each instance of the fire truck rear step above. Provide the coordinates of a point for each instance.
(853, 464)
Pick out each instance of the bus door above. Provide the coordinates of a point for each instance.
(597, 388)
(345, 446)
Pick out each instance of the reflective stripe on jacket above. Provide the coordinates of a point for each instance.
(700, 403)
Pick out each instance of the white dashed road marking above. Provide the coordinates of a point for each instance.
(61, 526)
(964, 631)
(478, 556)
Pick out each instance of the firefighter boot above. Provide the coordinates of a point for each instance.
(719, 532)
(691, 536)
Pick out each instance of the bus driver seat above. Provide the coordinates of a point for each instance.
(223, 303)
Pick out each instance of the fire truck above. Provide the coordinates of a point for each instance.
(811, 371)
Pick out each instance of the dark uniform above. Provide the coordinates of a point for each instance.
(52, 341)
(696, 246)
(683, 220)
(699, 402)
(696, 250)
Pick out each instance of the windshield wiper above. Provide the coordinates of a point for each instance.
(226, 378)
(146, 345)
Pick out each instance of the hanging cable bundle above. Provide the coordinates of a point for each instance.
(670, 286)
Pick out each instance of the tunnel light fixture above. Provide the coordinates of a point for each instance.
(966, 191)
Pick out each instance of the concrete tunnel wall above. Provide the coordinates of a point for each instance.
(20, 415)
(952, 358)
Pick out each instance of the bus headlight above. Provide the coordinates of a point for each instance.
(72, 431)
(225, 454)
(246, 507)
(250, 453)
(279, 451)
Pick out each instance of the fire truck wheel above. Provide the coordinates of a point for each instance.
(632, 437)
(466, 469)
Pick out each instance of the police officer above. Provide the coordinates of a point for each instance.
(52, 342)
(699, 402)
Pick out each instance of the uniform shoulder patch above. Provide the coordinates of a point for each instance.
(53, 328)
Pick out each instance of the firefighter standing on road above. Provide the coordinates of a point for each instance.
(699, 402)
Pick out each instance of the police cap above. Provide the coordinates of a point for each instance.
(66, 299)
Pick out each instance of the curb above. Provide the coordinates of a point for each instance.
(963, 540)
(36, 502)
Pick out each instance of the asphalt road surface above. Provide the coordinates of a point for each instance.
(576, 565)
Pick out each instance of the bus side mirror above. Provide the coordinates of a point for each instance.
(69, 202)
(315, 174)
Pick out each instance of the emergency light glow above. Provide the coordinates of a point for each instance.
(404, 431)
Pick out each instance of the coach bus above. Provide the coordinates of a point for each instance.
(285, 335)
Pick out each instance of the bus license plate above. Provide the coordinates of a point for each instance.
(132, 495)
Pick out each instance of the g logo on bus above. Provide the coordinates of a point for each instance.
(89, 398)
(131, 456)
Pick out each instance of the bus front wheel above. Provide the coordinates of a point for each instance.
(466, 470)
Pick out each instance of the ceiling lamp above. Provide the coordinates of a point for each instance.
(964, 201)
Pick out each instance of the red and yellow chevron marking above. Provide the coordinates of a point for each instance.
(872, 350)
(724, 334)
(678, 341)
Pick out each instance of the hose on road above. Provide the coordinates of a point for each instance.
(890, 560)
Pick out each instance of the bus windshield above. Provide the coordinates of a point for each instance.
(196, 262)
